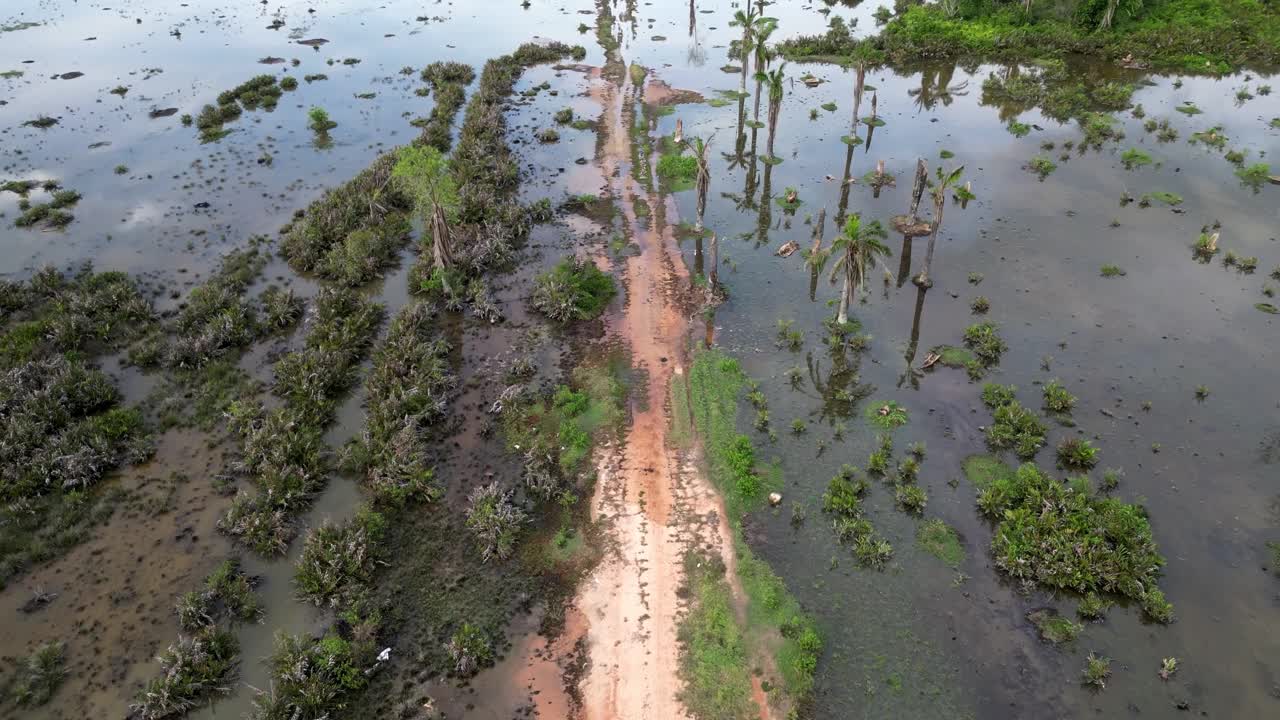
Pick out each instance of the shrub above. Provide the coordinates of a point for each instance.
(574, 289)
(1077, 454)
(39, 676)
(193, 670)
(494, 520)
(984, 341)
(1056, 397)
(311, 677)
(338, 561)
(470, 650)
(843, 497)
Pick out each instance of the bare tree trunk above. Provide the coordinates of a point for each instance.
(904, 262)
(818, 228)
(441, 254)
(713, 274)
(1109, 15)
(704, 183)
(842, 315)
(917, 190)
(939, 202)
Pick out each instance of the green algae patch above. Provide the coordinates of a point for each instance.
(941, 541)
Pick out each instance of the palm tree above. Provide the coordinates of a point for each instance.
(774, 78)
(854, 249)
(424, 172)
(700, 150)
(945, 181)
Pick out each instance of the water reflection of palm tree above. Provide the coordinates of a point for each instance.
(911, 373)
(935, 86)
(696, 55)
(842, 389)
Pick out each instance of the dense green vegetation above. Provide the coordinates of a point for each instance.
(715, 661)
(1214, 36)
(715, 382)
(447, 81)
(575, 289)
(1062, 535)
(408, 393)
(352, 232)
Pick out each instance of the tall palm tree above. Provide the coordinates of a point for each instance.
(700, 151)
(856, 247)
(945, 181)
(774, 79)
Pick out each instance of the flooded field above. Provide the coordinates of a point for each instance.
(467, 491)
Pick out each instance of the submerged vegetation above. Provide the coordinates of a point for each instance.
(61, 420)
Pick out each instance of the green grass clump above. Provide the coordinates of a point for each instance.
(911, 498)
(314, 677)
(941, 541)
(1062, 536)
(575, 289)
(985, 343)
(1254, 176)
(1096, 671)
(408, 390)
(1093, 606)
(1041, 166)
(1016, 428)
(1056, 397)
(953, 356)
(994, 396)
(1113, 271)
(1077, 454)
(886, 415)
(352, 233)
(228, 594)
(843, 497)
(1054, 628)
(1134, 157)
(39, 675)
(678, 171)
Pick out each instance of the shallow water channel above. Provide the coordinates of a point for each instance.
(918, 639)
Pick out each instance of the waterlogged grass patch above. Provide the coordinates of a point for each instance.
(1168, 198)
(1041, 166)
(39, 675)
(1254, 176)
(1053, 627)
(1135, 158)
(886, 415)
(941, 541)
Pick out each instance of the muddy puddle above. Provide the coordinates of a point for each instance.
(917, 639)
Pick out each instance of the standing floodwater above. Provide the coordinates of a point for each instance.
(492, 426)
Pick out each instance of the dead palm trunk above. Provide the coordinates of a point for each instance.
(704, 183)
(441, 253)
(939, 203)
(818, 229)
(917, 189)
